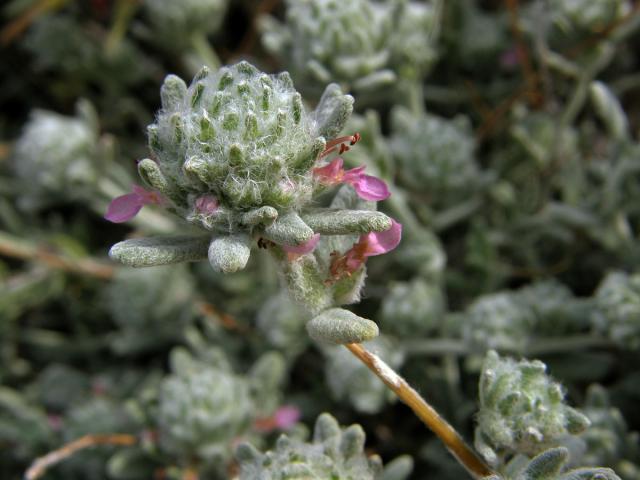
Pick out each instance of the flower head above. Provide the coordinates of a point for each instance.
(127, 206)
(367, 187)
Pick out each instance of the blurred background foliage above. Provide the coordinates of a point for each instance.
(508, 134)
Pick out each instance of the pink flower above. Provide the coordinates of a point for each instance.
(283, 418)
(206, 204)
(306, 247)
(367, 186)
(286, 417)
(125, 207)
(368, 245)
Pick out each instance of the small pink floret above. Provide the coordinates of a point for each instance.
(286, 417)
(368, 245)
(371, 188)
(331, 173)
(207, 204)
(366, 186)
(127, 206)
(306, 247)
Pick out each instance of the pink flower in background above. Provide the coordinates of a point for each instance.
(127, 206)
(295, 251)
(367, 186)
(283, 418)
(368, 245)
(286, 417)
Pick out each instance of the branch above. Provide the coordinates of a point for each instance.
(438, 425)
(40, 465)
(20, 248)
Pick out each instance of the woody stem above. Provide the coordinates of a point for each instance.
(438, 425)
(15, 247)
(40, 465)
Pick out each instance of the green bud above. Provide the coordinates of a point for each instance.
(230, 253)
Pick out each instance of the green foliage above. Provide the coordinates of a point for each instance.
(618, 302)
(334, 452)
(507, 135)
(521, 409)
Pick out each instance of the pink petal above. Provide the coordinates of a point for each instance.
(124, 208)
(148, 197)
(207, 204)
(371, 188)
(331, 172)
(306, 247)
(137, 189)
(383, 242)
(352, 175)
(286, 417)
(353, 261)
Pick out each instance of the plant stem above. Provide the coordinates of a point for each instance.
(20, 248)
(438, 425)
(40, 465)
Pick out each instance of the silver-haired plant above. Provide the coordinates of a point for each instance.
(239, 159)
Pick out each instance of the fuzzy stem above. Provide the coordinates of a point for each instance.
(40, 465)
(438, 425)
(203, 49)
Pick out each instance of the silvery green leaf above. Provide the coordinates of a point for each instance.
(332, 111)
(288, 229)
(610, 111)
(150, 252)
(346, 222)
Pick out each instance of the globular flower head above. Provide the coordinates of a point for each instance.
(238, 135)
(498, 321)
(328, 40)
(149, 307)
(414, 308)
(363, 45)
(552, 464)
(618, 312)
(435, 155)
(522, 410)
(236, 154)
(203, 407)
(172, 19)
(334, 452)
(57, 156)
(608, 440)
